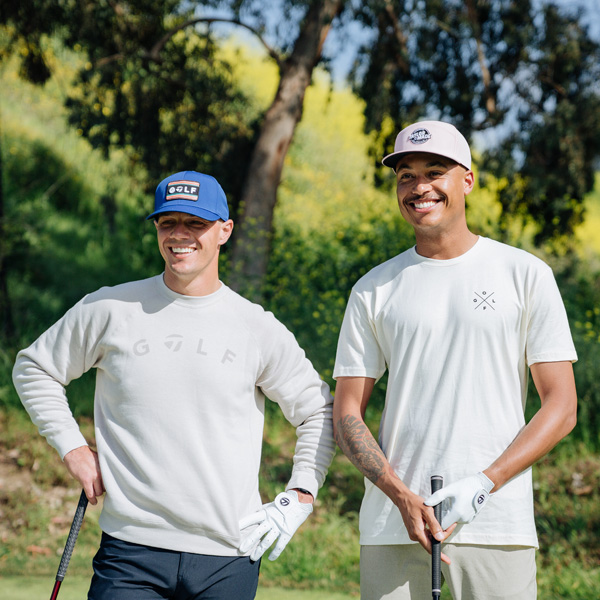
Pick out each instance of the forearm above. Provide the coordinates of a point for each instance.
(315, 448)
(357, 442)
(554, 420)
(533, 442)
(354, 437)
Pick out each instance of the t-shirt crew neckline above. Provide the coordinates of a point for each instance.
(436, 262)
(190, 301)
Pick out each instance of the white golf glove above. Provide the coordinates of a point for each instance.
(278, 519)
(465, 499)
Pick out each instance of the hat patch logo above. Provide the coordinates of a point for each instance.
(419, 136)
(183, 190)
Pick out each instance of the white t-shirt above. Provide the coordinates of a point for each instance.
(457, 337)
(179, 408)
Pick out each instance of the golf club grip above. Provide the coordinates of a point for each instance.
(437, 481)
(75, 527)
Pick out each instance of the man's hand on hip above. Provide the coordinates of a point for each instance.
(277, 520)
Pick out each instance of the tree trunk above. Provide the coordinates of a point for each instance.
(252, 237)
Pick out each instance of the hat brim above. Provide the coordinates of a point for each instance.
(391, 160)
(185, 208)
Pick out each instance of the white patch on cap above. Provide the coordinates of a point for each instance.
(419, 136)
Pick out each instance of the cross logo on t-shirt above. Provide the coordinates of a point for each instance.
(484, 300)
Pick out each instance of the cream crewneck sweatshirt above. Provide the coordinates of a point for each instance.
(179, 408)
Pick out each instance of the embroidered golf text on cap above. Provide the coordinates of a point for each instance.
(433, 137)
(183, 190)
(193, 193)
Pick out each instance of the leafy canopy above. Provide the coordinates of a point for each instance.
(518, 77)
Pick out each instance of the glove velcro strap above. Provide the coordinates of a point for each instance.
(480, 498)
(286, 505)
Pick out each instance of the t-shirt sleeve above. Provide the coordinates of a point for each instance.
(548, 334)
(359, 353)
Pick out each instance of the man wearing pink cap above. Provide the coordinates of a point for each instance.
(458, 321)
(183, 365)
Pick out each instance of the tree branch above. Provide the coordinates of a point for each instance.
(105, 60)
(394, 19)
(156, 49)
(490, 99)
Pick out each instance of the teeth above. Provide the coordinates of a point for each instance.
(182, 250)
(428, 204)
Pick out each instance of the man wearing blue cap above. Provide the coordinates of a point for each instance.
(183, 365)
(458, 321)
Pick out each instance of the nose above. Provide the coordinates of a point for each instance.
(180, 230)
(422, 185)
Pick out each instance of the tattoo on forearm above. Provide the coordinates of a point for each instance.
(359, 445)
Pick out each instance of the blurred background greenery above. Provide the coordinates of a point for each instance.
(82, 149)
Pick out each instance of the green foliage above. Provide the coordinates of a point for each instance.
(580, 287)
(181, 112)
(310, 279)
(26, 22)
(143, 84)
(587, 232)
(158, 88)
(524, 73)
(74, 220)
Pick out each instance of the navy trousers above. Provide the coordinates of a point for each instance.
(126, 571)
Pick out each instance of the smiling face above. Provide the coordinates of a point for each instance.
(190, 247)
(431, 194)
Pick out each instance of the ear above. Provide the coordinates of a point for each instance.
(226, 229)
(468, 182)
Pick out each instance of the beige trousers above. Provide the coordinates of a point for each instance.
(403, 572)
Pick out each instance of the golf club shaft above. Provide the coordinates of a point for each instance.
(437, 481)
(71, 539)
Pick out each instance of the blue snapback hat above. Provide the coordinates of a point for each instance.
(191, 192)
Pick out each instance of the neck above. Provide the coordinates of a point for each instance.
(446, 245)
(197, 286)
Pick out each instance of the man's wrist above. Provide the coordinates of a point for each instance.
(303, 495)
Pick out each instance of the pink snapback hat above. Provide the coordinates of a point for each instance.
(433, 137)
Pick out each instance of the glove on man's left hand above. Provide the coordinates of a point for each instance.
(278, 519)
(467, 497)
